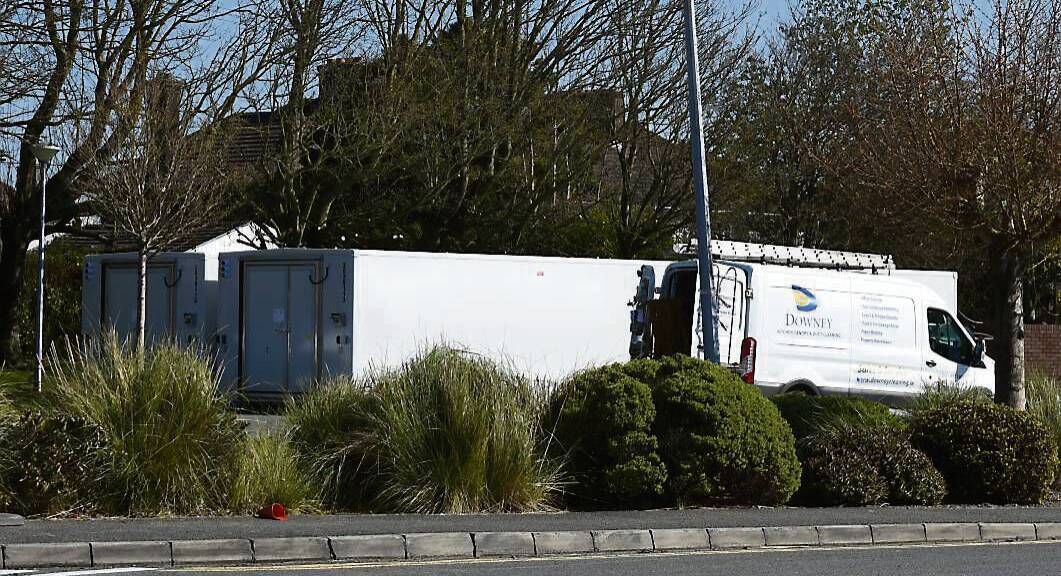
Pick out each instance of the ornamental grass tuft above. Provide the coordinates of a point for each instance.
(167, 441)
(446, 432)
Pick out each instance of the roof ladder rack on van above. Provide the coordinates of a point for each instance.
(798, 256)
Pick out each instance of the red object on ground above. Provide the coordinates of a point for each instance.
(274, 511)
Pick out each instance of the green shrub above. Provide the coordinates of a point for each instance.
(268, 472)
(723, 442)
(1044, 402)
(446, 432)
(808, 415)
(857, 465)
(62, 299)
(987, 452)
(946, 394)
(601, 419)
(331, 432)
(48, 463)
(168, 441)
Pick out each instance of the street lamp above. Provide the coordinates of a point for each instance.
(703, 214)
(43, 152)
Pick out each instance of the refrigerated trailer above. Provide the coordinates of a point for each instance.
(290, 316)
(179, 304)
(815, 321)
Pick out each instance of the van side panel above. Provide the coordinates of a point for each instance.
(803, 329)
(886, 346)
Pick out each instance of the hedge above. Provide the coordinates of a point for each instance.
(858, 465)
(987, 452)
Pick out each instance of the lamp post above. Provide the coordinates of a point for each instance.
(44, 153)
(703, 214)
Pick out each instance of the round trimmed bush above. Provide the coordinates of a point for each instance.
(602, 421)
(855, 465)
(987, 452)
(723, 442)
(810, 414)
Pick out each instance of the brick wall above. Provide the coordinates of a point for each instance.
(1042, 348)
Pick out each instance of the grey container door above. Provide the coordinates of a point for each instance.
(120, 300)
(279, 327)
(302, 326)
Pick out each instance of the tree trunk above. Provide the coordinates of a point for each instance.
(141, 298)
(1008, 300)
(13, 246)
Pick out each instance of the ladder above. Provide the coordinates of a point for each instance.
(795, 256)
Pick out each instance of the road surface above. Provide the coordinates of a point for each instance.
(1031, 559)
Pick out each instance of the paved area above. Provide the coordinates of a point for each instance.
(102, 530)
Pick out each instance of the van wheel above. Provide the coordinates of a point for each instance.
(802, 388)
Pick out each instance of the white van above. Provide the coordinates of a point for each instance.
(817, 330)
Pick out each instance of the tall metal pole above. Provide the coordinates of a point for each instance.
(40, 283)
(708, 305)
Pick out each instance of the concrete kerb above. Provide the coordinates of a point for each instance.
(439, 545)
(505, 544)
(1006, 532)
(510, 544)
(680, 539)
(373, 547)
(722, 538)
(622, 541)
(898, 533)
(565, 542)
(845, 535)
(1048, 531)
(212, 551)
(291, 549)
(791, 536)
(128, 553)
(72, 554)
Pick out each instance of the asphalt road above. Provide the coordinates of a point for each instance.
(99, 530)
(963, 560)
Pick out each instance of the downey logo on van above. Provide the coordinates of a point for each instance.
(806, 301)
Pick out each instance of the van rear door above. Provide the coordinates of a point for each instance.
(731, 289)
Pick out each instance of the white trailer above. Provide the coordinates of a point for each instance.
(289, 316)
(820, 322)
(180, 300)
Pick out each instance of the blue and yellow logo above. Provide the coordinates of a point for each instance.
(806, 301)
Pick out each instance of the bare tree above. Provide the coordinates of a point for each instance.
(163, 185)
(646, 170)
(964, 126)
(437, 128)
(81, 69)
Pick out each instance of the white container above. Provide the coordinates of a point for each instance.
(289, 316)
(180, 299)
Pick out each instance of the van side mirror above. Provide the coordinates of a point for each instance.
(978, 353)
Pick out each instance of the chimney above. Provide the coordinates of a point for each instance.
(163, 101)
(336, 79)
